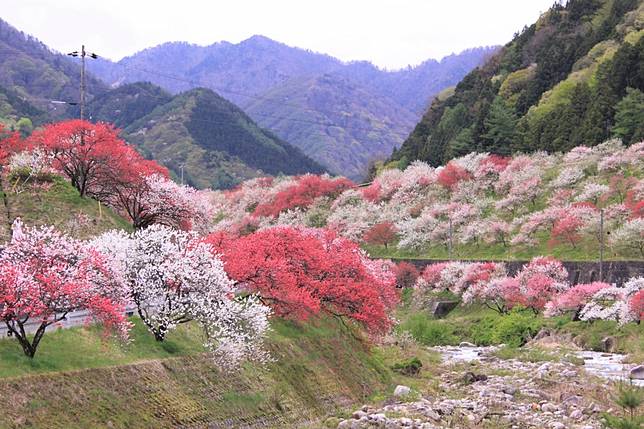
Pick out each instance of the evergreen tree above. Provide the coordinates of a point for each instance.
(500, 128)
(629, 117)
(461, 144)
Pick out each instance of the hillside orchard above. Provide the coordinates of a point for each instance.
(484, 204)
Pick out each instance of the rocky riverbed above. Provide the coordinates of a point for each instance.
(476, 389)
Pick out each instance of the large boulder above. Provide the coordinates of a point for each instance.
(402, 391)
(609, 344)
(637, 373)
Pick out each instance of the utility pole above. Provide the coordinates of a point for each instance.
(450, 239)
(82, 56)
(601, 245)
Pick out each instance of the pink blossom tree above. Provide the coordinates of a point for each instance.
(44, 275)
(573, 299)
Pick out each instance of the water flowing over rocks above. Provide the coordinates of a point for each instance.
(478, 389)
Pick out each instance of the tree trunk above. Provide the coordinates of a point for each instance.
(29, 348)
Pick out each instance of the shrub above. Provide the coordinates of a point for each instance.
(514, 329)
(428, 331)
(406, 275)
(410, 367)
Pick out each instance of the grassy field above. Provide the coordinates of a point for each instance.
(77, 380)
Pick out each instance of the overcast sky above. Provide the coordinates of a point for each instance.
(389, 33)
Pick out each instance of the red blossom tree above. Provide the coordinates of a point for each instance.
(302, 194)
(538, 282)
(88, 154)
(372, 192)
(381, 234)
(567, 229)
(636, 304)
(620, 186)
(44, 275)
(10, 143)
(303, 272)
(406, 274)
(573, 299)
(451, 175)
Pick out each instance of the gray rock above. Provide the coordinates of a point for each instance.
(466, 344)
(637, 372)
(608, 344)
(344, 424)
(557, 425)
(543, 333)
(378, 418)
(405, 421)
(548, 407)
(576, 414)
(402, 391)
(358, 415)
(510, 390)
(572, 400)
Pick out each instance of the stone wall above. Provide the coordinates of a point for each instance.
(578, 272)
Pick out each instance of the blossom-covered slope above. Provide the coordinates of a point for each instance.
(495, 207)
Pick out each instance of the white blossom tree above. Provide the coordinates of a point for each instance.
(173, 277)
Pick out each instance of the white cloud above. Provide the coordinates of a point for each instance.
(390, 33)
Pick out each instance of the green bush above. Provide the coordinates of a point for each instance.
(514, 329)
(411, 367)
(428, 331)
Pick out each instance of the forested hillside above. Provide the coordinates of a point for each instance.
(126, 104)
(217, 144)
(574, 77)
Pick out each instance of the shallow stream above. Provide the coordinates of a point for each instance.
(606, 365)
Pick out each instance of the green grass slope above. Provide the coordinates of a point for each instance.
(77, 380)
(54, 202)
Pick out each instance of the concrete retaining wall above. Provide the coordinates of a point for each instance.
(578, 272)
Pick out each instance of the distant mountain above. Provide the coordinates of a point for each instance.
(38, 75)
(271, 81)
(337, 122)
(414, 87)
(217, 144)
(574, 77)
